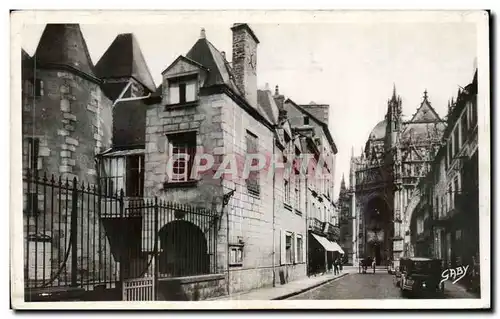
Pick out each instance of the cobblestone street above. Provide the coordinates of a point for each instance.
(368, 286)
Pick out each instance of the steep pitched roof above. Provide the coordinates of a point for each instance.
(64, 45)
(424, 123)
(425, 112)
(124, 58)
(266, 102)
(205, 53)
(326, 130)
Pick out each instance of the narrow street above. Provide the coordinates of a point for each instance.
(367, 286)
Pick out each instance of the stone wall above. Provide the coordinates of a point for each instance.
(72, 120)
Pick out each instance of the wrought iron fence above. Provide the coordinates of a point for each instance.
(78, 235)
(65, 241)
(183, 237)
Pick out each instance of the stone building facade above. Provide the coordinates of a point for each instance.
(445, 224)
(262, 237)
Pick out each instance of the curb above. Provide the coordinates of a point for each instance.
(298, 292)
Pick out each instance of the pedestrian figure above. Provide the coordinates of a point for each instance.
(336, 266)
(374, 263)
(341, 263)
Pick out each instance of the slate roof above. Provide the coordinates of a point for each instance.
(64, 44)
(220, 71)
(424, 120)
(267, 104)
(124, 58)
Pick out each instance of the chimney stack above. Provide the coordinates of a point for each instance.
(245, 61)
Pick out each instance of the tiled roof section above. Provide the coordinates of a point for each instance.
(219, 71)
(124, 58)
(129, 124)
(267, 104)
(64, 44)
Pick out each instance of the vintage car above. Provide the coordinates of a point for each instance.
(418, 276)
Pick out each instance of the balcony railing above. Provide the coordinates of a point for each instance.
(316, 225)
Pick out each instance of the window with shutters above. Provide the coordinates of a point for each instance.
(300, 249)
(289, 248)
(286, 189)
(183, 90)
(252, 182)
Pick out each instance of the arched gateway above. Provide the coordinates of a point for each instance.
(384, 177)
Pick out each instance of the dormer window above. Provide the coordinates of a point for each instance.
(183, 90)
(306, 120)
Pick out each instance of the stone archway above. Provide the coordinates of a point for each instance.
(378, 229)
(183, 250)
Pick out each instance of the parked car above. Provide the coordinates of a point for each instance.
(418, 276)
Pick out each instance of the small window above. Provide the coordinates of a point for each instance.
(37, 87)
(135, 176)
(182, 90)
(286, 186)
(236, 256)
(306, 120)
(456, 141)
(113, 175)
(289, 248)
(252, 182)
(300, 249)
(182, 150)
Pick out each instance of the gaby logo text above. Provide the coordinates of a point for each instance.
(454, 273)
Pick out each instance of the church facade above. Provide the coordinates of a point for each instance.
(381, 197)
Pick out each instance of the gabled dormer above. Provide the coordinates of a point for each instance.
(181, 82)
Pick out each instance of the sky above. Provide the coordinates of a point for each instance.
(350, 66)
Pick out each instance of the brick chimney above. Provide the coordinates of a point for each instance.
(245, 61)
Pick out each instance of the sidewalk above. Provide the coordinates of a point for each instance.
(290, 289)
(458, 291)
